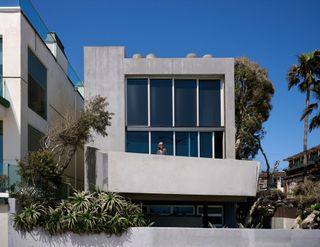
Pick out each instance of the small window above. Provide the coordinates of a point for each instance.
(137, 142)
(161, 102)
(206, 144)
(185, 92)
(187, 144)
(137, 102)
(183, 210)
(218, 142)
(160, 210)
(166, 138)
(37, 85)
(34, 139)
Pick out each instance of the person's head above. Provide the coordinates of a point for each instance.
(160, 145)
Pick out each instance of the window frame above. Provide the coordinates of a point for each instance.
(174, 128)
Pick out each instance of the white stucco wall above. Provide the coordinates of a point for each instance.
(18, 35)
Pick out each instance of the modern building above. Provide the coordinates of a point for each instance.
(297, 172)
(38, 87)
(171, 145)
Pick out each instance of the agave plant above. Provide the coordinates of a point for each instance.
(29, 218)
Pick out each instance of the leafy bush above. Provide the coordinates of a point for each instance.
(306, 194)
(84, 212)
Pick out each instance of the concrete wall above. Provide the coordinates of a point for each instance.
(3, 224)
(18, 35)
(174, 237)
(157, 174)
(105, 71)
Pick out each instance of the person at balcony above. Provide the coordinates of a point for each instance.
(161, 149)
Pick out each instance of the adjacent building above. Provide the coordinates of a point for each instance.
(276, 179)
(171, 145)
(297, 172)
(38, 87)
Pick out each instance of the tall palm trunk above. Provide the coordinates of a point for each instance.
(305, 134)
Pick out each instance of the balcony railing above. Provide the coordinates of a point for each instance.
(9, 178)
(39, 25)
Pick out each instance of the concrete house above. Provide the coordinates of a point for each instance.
(37, 87)
(171, 144)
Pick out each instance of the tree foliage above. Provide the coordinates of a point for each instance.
(41, 171)
(306, 76)
(253, 94)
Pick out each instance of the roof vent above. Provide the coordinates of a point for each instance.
(191, 55)
(151, 55)
(136, 55)
(207, 56)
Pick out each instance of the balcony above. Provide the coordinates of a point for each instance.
(132, 173)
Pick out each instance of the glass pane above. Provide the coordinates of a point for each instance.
(206, 144)
(34, 138)
(209, 103)
(187, 144)
(137, 102)
(186, 210)
(37, 97)
(137, 142)
(214, 210)
(160, 210)
(166, 139)
(37, 85)
(1, 58)
(1, 145)
(161, 102)
(185, 93)
(218, 147)
(1, 70)
(37, 70)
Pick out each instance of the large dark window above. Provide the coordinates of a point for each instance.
(1, 68)
(206, 144)
(137, 102)
(34, 138)
(161, 102)
(209, 103)
(187, 144)
(37, 85)
(166, 138)
(137, 142)
(185, 92)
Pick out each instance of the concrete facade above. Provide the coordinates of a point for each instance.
(166, 180)
(19, 35)
(173, 237)
(106, 69)
(130, 173)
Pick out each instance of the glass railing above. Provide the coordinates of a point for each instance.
(9, 177)
(39, 25)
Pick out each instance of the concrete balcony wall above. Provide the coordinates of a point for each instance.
(155, 174)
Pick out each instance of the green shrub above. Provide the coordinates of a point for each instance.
(84, 212)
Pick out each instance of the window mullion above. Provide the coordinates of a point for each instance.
(198, 102)
(173, 104)
(149, 102)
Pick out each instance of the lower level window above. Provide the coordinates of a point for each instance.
(191, 144)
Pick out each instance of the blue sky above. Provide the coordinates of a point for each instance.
(269, 32)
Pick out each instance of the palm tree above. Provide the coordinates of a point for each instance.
(304, 76)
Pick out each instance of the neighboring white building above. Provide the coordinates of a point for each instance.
(37, 86)
(188, 105)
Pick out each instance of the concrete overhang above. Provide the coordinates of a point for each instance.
(132, 173)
